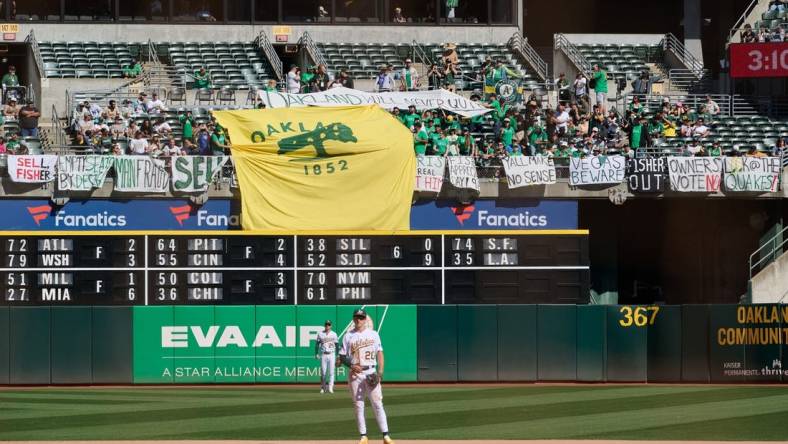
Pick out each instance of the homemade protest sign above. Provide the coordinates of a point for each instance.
(429, 173)
(422, 100)
(195, 173)
(349, 168)
(695, 174)
(523, 171)
(82, 173)
(462, 172)
(141, 174)
(754, 174)
(32, 168)
(646, 175)
(596, 170)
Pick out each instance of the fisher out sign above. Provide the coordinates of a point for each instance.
(596, 170)
(248, 344)
(429, 173)
(646, 175)
(523, 171)
(753, 174)
(82, 173)
(32, 169)
(462, 172)
(195, 173)
(695, 174)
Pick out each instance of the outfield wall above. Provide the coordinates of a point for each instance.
(450, 343)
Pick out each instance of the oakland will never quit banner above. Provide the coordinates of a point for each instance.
(522, 171)
(422, 100)
(429, 173)
(752, 174)
(195, 173)
(347, 168)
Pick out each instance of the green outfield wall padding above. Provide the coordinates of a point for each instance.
(437, 343)
(112, 345)
(274, 360)
(557, 342)
(4, 345)
(477, 345)
(664, 344)
(695, 343)
(194, 363)
(71, 345)
(30, 345)
(763, 356)
(517, 343)
(591, 338)
(726, 344)
(397, 327)
(627, 343)
(235, 362)
(153, 364)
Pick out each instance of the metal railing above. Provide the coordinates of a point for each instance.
(740, 22)
(312, 49)
(264, 43)
(674, 45)
(769, 251)
(693, 101)
(31, 40)
(561, 42)
(520, 45)
(687, 80)
(419, 55)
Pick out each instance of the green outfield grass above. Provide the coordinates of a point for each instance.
(453, 412)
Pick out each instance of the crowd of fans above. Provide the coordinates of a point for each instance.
(116, 130)
(765, 34)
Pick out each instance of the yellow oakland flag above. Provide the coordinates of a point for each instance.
(344, 168)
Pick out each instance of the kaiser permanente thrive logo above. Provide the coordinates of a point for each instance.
(484, 218)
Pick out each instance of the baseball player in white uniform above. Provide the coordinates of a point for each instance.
(325, 351)
(362, 352)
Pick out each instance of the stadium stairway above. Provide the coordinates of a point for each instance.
(770, 284)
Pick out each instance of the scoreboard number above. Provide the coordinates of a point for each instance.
(16, 245)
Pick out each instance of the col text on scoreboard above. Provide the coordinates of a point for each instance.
(149, 268)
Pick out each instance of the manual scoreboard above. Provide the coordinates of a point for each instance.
(165, 268)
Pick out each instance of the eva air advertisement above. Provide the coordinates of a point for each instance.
(258, 344)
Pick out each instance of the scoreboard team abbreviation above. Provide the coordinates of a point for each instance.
(259, 268)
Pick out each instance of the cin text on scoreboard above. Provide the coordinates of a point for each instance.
(150, 268)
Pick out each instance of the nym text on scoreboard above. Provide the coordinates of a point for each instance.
(149, 268)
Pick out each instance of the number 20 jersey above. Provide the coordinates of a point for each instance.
(362, 347)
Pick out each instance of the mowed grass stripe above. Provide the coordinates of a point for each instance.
(622, 425)
(752, 427)
(443, 400)
(335, 409)
(505, 412)
(499, 416)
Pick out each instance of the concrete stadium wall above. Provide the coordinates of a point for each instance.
(616, 39)
(53, 92)
(174, 32)
(770, 285)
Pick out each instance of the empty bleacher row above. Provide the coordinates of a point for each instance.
(363, 60)
(621, 60)
(87, 59)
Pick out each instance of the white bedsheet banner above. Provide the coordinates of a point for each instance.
(423, 100)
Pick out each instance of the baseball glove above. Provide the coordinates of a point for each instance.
(373, 380)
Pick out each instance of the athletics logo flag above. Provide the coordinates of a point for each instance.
(344, 168)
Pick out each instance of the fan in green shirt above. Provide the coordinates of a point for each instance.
(636, 135)
(202, 79)
(507, 133)
(420, 139)
(600, 80)
(715, 150)
(188, 125)
(500, 110)
(133, 69)
(440, 145)
(11, 79)
(218, 142)
(537, 134)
